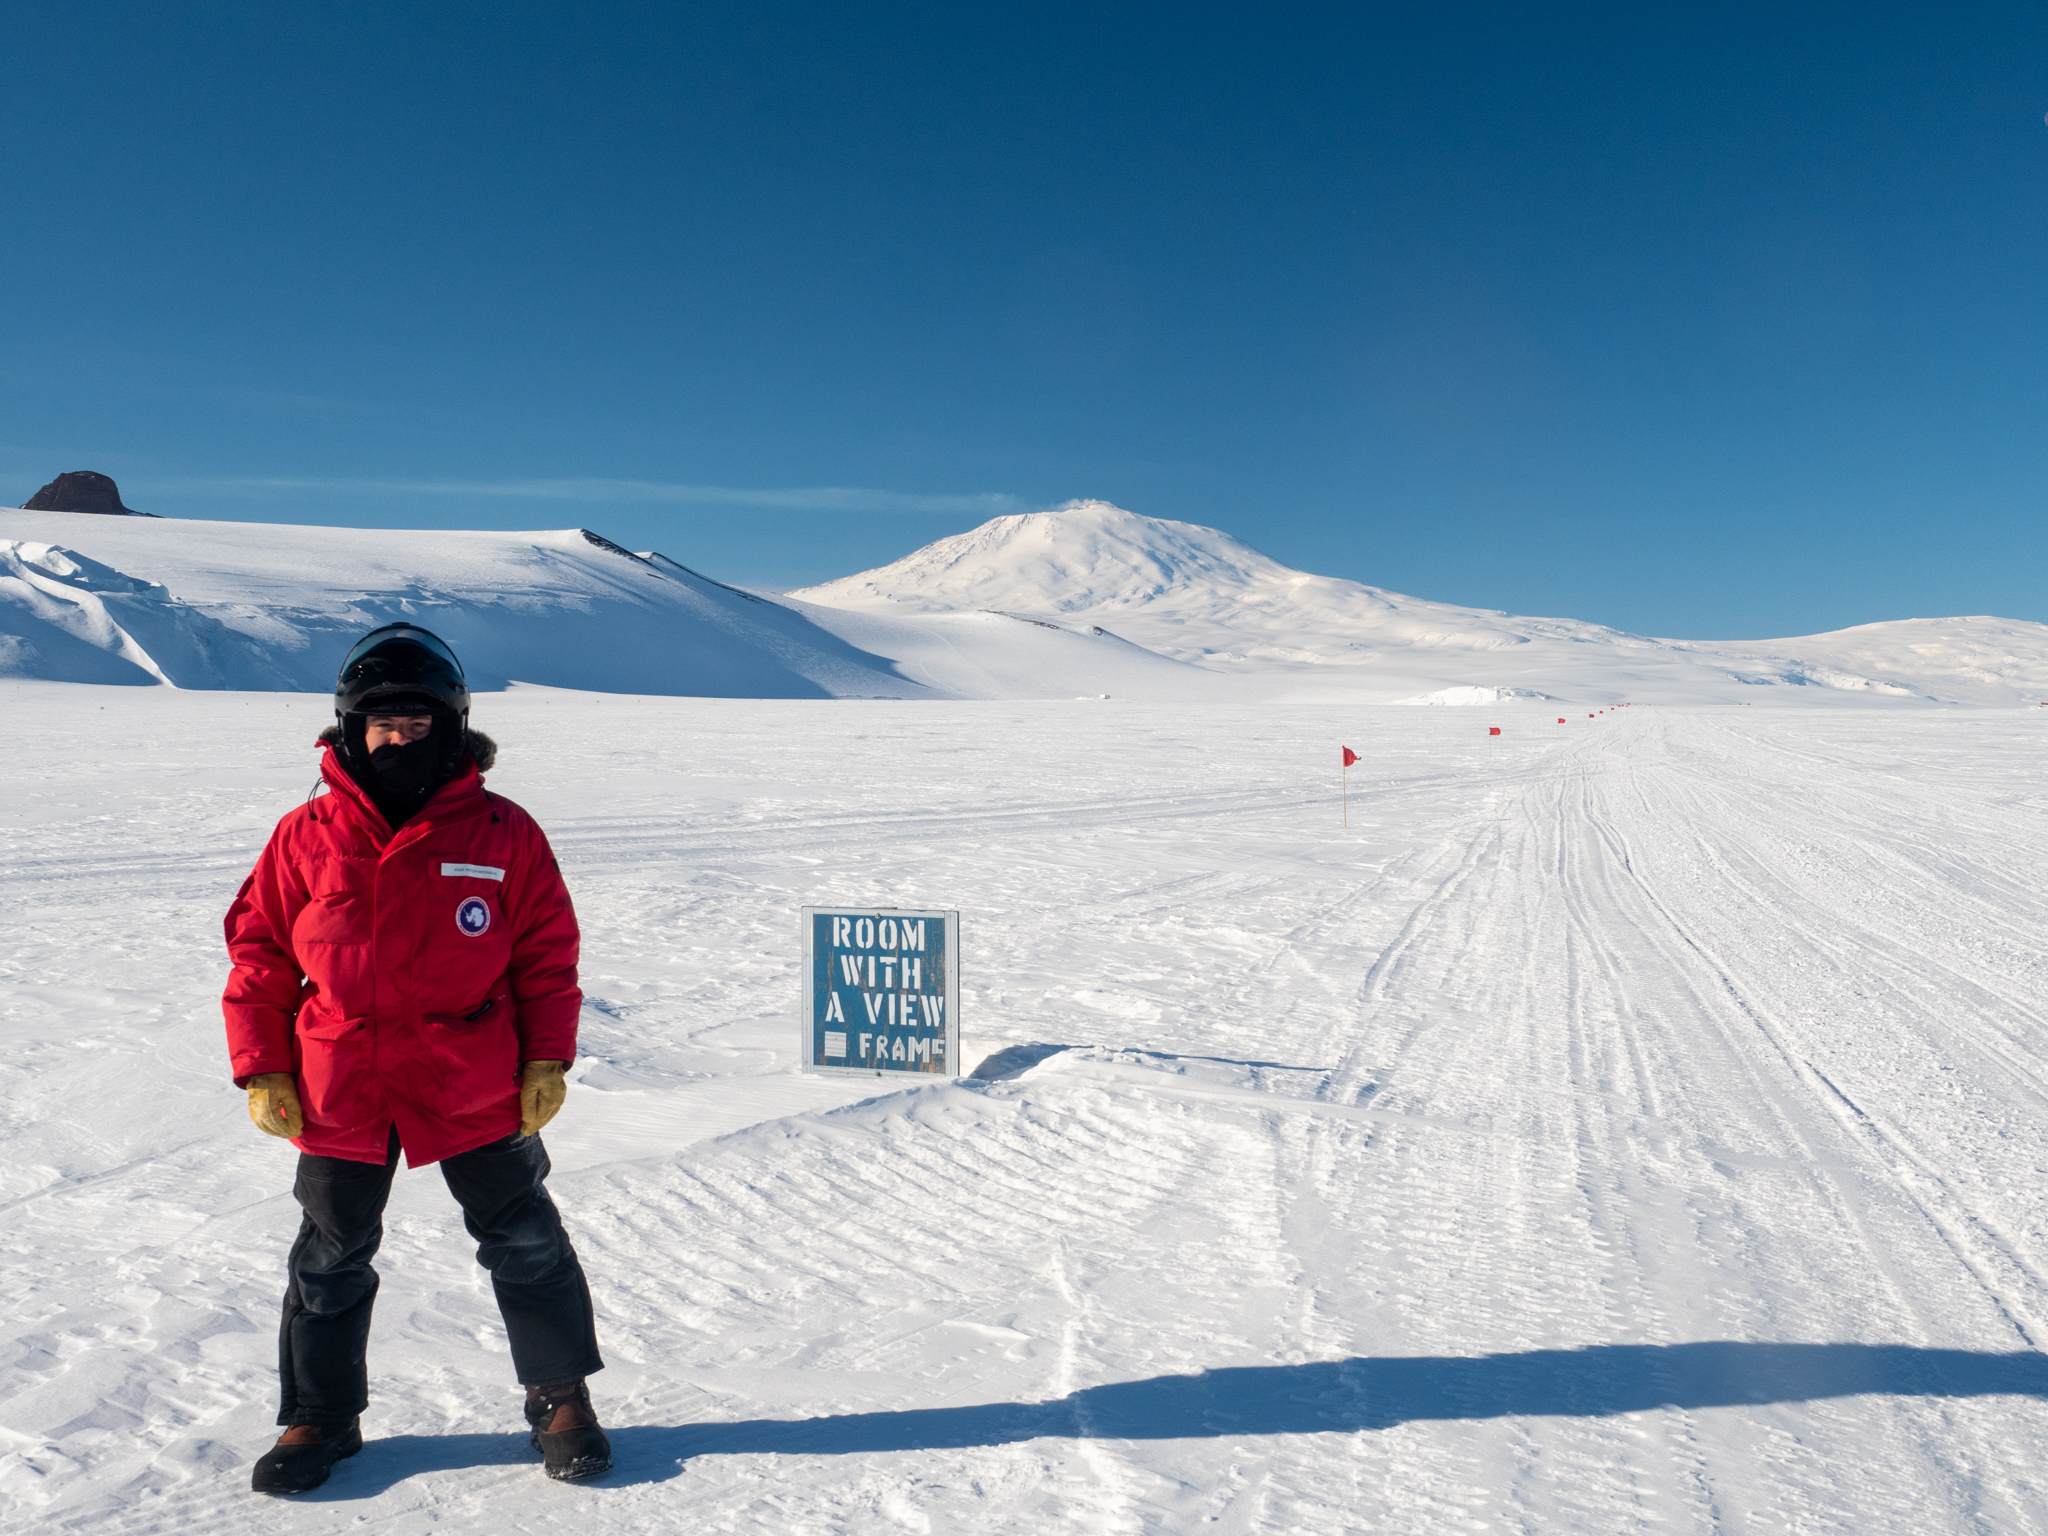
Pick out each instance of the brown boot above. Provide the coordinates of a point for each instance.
(304, 1455)
(566, 1431)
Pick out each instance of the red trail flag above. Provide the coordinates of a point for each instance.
(1350, 757)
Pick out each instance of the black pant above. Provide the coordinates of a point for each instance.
(323, 1343)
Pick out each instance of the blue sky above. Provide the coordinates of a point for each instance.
(1716, 321)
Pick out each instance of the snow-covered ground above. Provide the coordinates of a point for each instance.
(1641, 1127)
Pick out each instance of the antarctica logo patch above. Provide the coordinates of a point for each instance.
(473, 916)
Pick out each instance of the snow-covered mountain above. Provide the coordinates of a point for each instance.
(1199, 595)
(198, 604)
(241, 605)
(1184, 590)
(1087, 600)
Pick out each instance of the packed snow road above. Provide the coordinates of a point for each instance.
(1642, 1126)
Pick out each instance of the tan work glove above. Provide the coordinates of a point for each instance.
(274, 1104)
(541, 1091)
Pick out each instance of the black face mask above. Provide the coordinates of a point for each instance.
(408, 768)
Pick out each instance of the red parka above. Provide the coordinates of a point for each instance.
(403, 977)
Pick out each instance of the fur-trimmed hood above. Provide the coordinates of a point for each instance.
(476, 743)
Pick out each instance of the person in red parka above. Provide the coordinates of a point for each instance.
(405, 980)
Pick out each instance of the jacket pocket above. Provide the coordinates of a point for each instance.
(340, 917)
(320, 1026)
(334, 1058)
(474, 1059)
(493, 1010)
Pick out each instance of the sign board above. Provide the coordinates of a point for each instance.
(881, 991)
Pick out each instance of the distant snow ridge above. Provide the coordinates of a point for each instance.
(1199, 595)
(72, 619)
(1469, 693)
(1087, 600)
(249, 605)
(194, 604)
(1181, 589)
(1086, 554)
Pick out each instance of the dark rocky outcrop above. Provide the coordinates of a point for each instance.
(81, 490)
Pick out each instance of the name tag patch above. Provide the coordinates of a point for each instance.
(473, 871)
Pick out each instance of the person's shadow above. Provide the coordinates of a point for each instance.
(1328, 1397)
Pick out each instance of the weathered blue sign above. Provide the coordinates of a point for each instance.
(881, 991)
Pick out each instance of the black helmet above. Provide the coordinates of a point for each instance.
(397, 665)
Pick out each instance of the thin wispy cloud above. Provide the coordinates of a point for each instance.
(817, 498)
